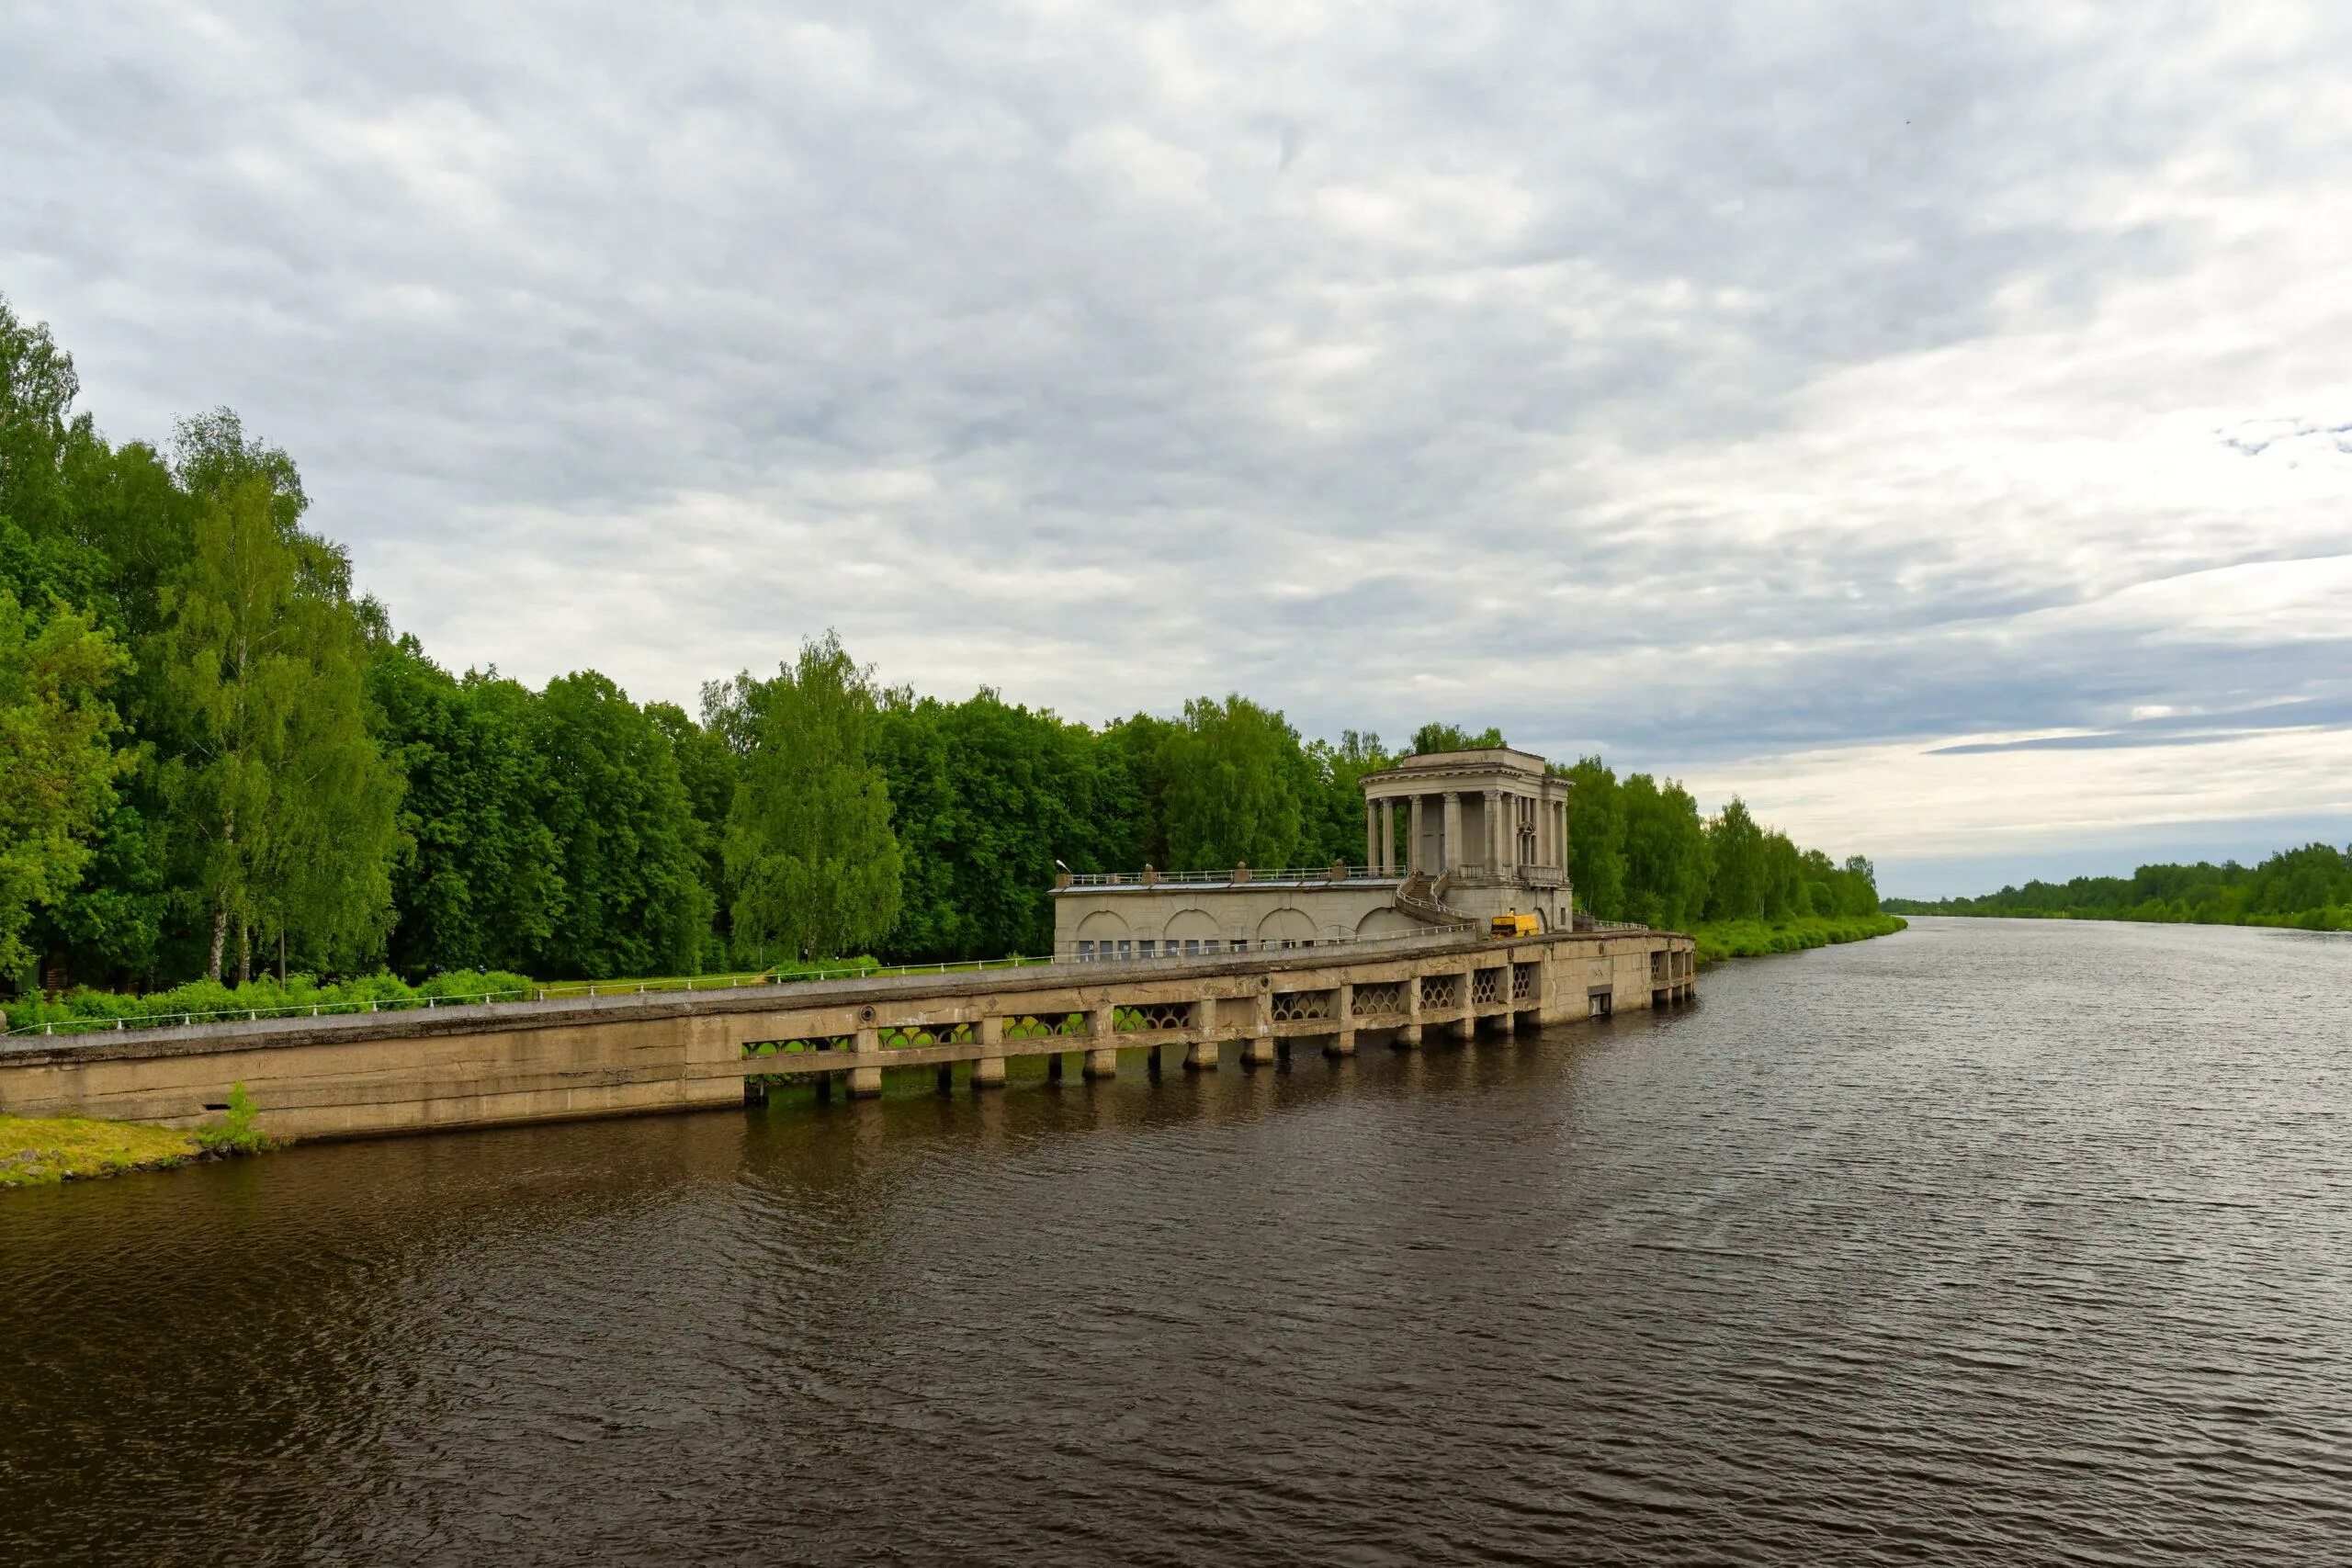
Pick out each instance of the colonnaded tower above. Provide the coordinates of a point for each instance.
(1450, 838)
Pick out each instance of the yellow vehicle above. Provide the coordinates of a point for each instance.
(1515, 925)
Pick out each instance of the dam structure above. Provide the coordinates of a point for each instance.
(1404, 951)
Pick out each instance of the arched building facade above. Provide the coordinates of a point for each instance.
(1449, 837)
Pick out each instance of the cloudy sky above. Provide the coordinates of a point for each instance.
(1932, 422)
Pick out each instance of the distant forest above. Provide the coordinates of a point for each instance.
(219, 759)
(2310, 887)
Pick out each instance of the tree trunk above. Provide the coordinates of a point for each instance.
(221, 909)
(281, 958)
(245, 953)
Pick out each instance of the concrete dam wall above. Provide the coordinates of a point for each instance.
(363, 1075)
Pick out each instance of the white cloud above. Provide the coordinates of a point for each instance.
(1773, 397)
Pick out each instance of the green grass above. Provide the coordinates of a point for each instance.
(42, 1151)
(1719, 939)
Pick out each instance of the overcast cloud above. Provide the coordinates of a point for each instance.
(1933, 421)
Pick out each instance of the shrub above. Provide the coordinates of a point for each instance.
(238, 1132)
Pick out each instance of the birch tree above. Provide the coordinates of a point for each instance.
(285, 806)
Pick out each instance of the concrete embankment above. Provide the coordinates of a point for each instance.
(467, 1067)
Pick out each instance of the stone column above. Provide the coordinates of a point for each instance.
(1560, 836)
(1200, 1056)
(1343, 1016)
(865, 1083)
(1495, 851)
(1448, 852)
(1101, 1043)
(1386, 864)
(1372, 838)
(987, 1072)
(1259, 1051)
(1413, 835)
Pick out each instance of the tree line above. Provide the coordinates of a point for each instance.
(220, 759)
(2310, 887)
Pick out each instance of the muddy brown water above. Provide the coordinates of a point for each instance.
(1991, 1243)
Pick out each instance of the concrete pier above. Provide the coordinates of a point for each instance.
(361, 1074)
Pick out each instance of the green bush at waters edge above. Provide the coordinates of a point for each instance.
(1719, 939)
(236, 1132)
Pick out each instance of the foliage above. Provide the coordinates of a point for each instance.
(1736, 851)
(1597, 865)
(1235, 787)
(2309, 887)
(1454, 737)
(1667, 864)
(289, 807)
(264, 995)
(479, 881)
(1333, 815)
(57, 770)
(238, 1132)
(1755, 939)
(809, 851)
(633, 898)
(984, 797)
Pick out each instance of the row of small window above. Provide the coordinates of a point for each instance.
(1190, 947)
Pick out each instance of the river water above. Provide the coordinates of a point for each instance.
(1990, 1243)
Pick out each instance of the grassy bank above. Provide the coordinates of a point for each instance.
(41, 1151)
(1719, 939)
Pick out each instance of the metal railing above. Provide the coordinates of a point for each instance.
(1239, 947)
(1335, 871)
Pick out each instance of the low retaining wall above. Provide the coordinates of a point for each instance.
(471, 1066)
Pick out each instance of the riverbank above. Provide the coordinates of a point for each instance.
(43, 1151)
(1719, 939)
(2327, 918)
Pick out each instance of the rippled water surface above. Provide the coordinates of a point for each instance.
(1989, 1243)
